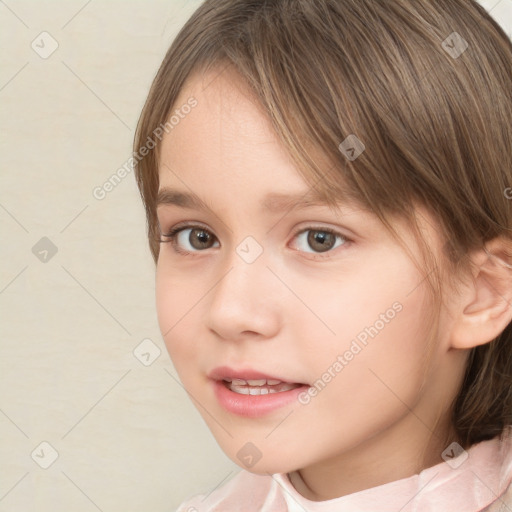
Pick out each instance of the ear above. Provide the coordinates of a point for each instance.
(485, 306)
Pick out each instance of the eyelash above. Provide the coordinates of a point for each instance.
(172, 235)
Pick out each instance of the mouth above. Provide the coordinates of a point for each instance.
(258, 386)
(251, 393)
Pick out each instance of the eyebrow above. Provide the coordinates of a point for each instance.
(273, 202)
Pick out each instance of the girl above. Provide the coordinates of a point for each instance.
(328, 194)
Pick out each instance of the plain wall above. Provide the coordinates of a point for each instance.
(127, 436)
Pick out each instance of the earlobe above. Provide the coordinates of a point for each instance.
(485, 308)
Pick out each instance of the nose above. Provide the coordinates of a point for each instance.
(245, 301)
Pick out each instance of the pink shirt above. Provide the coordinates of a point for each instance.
(481, 482)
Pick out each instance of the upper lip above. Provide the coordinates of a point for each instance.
(225, 372)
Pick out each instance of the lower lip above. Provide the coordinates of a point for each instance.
(254, 406)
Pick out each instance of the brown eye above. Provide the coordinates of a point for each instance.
(190, 239)
(200, 238)
(319, 240)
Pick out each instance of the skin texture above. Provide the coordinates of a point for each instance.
(291, 312)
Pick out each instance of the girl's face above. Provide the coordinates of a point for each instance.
(299, 292)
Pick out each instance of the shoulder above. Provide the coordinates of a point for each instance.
(258, 492)
(503, 501)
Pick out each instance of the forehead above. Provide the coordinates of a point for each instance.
(219, 87)
(229, 133)
(226, 111)
(225, 136)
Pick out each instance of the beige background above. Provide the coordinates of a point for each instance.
(126, 434)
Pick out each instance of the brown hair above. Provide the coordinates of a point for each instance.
(426, 85)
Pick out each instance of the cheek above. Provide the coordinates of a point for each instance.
(176, 299)
(378, 323)
(385, 377)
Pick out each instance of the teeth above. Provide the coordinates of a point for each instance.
(263, 391)
(258, 390)
(258, 382)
